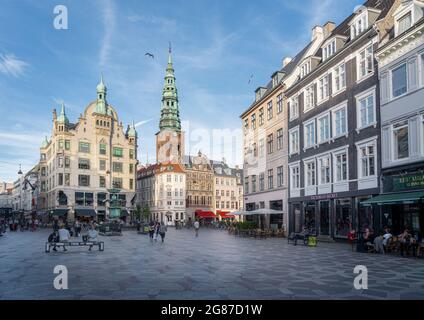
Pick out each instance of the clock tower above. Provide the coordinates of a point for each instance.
(170, 138)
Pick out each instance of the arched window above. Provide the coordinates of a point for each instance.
(97, 122)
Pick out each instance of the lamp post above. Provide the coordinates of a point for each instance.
(20, 186)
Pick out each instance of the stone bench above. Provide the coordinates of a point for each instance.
(99, 244)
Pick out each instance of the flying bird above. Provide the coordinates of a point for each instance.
(150, 55)
(250, 79)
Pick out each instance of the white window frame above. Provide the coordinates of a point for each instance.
(318, 138)
(305, 68)
(306, 171)
(393, 141)
(329, 49)
(391, 93)
(297, 179)
(333, 120)
(294, 108)
(359, 24)
(361, 77)
(397, 24)
(328, 157)
(335, 167)
(367, 143)
(291, 151)
(336, 71)
(305, 134)
(310, 89)
(323, 85)
(358, 98)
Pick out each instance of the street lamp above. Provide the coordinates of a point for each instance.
(20, 186)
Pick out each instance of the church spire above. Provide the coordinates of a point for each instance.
(63, 118)
(170, 114)
(101, 97)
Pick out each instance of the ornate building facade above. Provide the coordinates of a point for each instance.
(83, 162)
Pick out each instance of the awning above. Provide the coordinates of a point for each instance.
(395, 198)
(59, 212)
(85, 212)
(205, 214)
(225, 214)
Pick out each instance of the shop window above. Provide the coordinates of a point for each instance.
(343, 218)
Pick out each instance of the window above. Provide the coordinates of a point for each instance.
(270, 110)
(339, 78)
(295, 177)
(305, 69)
(339, 122)
(84, 164)
(324, 128)
(366, 62)
(131, 169)
(60, 179)
(310, 173)
(117, 167)
(343, 217)
(83, 180)
(270, 141)
(324, 170)
(253, 117)
(61, 145)
(329, 50)
(261, 148)
(102, 182)
(404, 23)
(246, 125)
(309, 98)
(117, 183)
(280, 103)
(262, 181)
(131, 153)
(253, 184)
(271, 179)
(294, 141)
(366, 105)
(359, 25)
(401, 140)
(323, 88)
(309, 134)
(102, 165)
(261, 116)
(67, 179)
(399, 82)
(67, 145)
(118, 152)
(279, 139)
(102, 148)
(340, 160)
(280, 176)
(367, 160)
(294, 108)
(246, 185)
(84, 147)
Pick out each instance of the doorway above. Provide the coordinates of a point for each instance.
(324, 218)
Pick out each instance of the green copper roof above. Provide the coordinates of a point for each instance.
(101, 106)
(45, 143)
(132, 132)
(63, 118)
(170, 114)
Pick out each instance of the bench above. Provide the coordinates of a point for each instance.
(99, 244)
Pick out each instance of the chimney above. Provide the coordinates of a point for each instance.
(316, 32)
(286, 61)
(328, 28)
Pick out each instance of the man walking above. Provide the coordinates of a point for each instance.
(196, 227)
(162, 231)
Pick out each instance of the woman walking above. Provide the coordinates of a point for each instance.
(162, 231)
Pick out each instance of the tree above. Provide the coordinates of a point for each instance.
(137, 212)
(146, 213)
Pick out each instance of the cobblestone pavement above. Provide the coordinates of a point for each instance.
(213, 266)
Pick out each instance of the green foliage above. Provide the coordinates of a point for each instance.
(146, 213)
(137, 212)
(247, 225)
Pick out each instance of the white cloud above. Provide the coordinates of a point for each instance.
(11, 65)
(109, 23)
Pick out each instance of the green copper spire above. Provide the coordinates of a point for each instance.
(170, 114)
(63, 118)
(132, 132)
(101, 97)
(45, 143)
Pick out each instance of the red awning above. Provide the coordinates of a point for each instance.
(205, 214)
(225, 214)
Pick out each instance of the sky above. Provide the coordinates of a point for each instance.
(217, 46)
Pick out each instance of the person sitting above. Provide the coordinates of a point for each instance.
(406, 239)
(53, 238)
(92, 235)
(387, 237)
(64, 236)
(378, 243)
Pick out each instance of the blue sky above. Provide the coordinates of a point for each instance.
(217, 45)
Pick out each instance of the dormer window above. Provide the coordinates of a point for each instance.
(404, 23)
(359, 24)
(329, 50)
(305, 69)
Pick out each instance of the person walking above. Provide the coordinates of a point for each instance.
(162, 231)
(151, 230)
(157, 227)
(196, 227)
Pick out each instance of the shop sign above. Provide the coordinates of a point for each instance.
(328, 196)
(407, 182)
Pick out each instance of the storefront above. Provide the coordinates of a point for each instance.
(402, 203)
